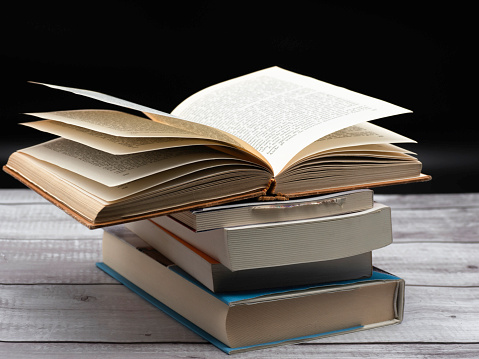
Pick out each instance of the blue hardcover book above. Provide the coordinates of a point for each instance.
(241, 321)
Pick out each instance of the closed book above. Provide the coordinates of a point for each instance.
(249, 212)
(241, 321)
(290, 242)
(217, 278)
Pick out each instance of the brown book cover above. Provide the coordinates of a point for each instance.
(258, 195)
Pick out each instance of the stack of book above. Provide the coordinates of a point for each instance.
(247, 213)
(250, 275)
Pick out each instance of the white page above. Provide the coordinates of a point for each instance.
(113, 170)
(379, 147)
(276, 111)
(172, 123)
(106, 98)
(361, 134)
(116, 145)
(115, 123)
(279, 112)
(112, 194)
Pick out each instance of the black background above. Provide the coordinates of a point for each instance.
(157, 54)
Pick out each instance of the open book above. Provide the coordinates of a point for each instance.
(270, 134)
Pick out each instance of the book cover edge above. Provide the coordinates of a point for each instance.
(200, 331)
(207, 203)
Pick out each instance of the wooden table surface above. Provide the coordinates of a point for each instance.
(55, 303)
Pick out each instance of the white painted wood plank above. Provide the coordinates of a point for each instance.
(431, 315)
(93, 313)
(73, 261)
(432, 225)
(112, 313)
(444, 224)
(436, 225)
(433, 264)
(442, 200)
(21, 195)
(436, 244)
(300, 351)
(53, 261)
(429, 200)
(41, 221)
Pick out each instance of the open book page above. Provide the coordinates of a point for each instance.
(357, 135)
(112, 194)
(202, 131)
(209, 132)
(112, 170)
(106, 98)
(279, 112)
(116, 145)
(116, 123)
(375, 150)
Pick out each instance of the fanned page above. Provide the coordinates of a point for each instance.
(115, 193)
(272, 114)
(112, 170)
(279, 112)
(115, 132)
(353, 136)
(171, 121)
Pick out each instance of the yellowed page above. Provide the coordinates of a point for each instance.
(194, 130)
(386, 148)
(112, 194)
(382, 150)
(113, 170)
(116, 145)
(116, 123)
(106, 98)
(273, 113)
(279, 112)
(208, 132)
(357, 135)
